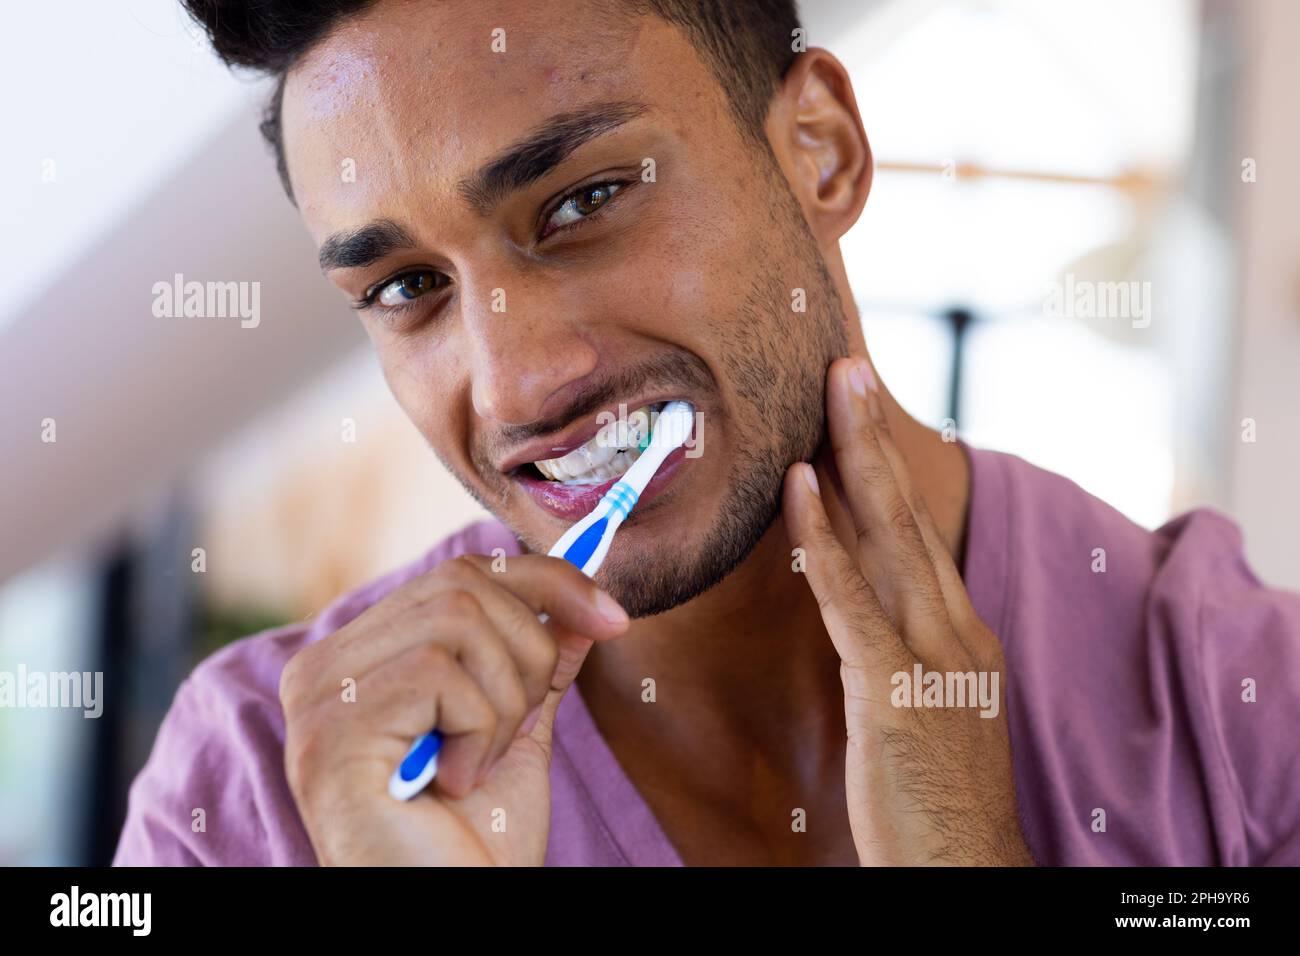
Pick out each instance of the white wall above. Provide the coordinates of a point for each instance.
(136, 398)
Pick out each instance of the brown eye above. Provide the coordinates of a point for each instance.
(589, 200)
(408, 286)
(581, 204)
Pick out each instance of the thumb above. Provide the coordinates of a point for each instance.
(540, 722)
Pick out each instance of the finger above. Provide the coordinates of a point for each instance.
(565, 652)
(833, 499)
(980, 642)
(955, 596)
(427, 686)
(969, 631)
(891, 550)
(548, 585)
(842, 521)
(407, 616)
(951, 587)
(528, 641)
(556, 588)
(540, 724)
(515, 658)
(857, 624)
(489, 658)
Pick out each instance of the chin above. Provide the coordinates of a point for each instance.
(661, 567)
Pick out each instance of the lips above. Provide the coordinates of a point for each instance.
(572, 501)
(592, 457)
(608, 454)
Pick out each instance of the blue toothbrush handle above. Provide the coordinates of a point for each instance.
(417, 769)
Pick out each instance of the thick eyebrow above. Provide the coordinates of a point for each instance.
(361, 247)
(515, 167)
(542, 150)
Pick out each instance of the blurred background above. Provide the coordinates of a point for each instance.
(170, 486)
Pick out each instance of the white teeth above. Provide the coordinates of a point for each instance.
(615, 468)
(608, 454)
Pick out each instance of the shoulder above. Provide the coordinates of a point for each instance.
(1045, 526)
(1158, 654)
(219, 750)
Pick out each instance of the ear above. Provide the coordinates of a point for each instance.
(817, 136)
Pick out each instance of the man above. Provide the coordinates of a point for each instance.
(907, 654)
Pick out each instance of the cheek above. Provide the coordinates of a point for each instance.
(695, 267)
(681, 275)
(423, 386)
(691, 302)
(698, 307)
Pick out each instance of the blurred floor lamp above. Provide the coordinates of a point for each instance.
(1116, 262)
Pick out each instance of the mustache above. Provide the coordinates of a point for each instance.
(662, 372)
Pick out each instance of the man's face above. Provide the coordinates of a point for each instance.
(566, 225)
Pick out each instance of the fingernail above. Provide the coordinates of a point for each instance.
(610, 609)
(861, 379)
(810, 476)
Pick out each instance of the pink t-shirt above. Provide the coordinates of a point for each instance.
(1128, 691)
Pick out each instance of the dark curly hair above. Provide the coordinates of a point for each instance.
(748, 44)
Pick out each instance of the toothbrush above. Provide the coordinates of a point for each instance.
(584, 545)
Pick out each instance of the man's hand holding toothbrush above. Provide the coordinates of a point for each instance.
(462, 645)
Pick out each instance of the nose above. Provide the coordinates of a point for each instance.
(527, 346)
